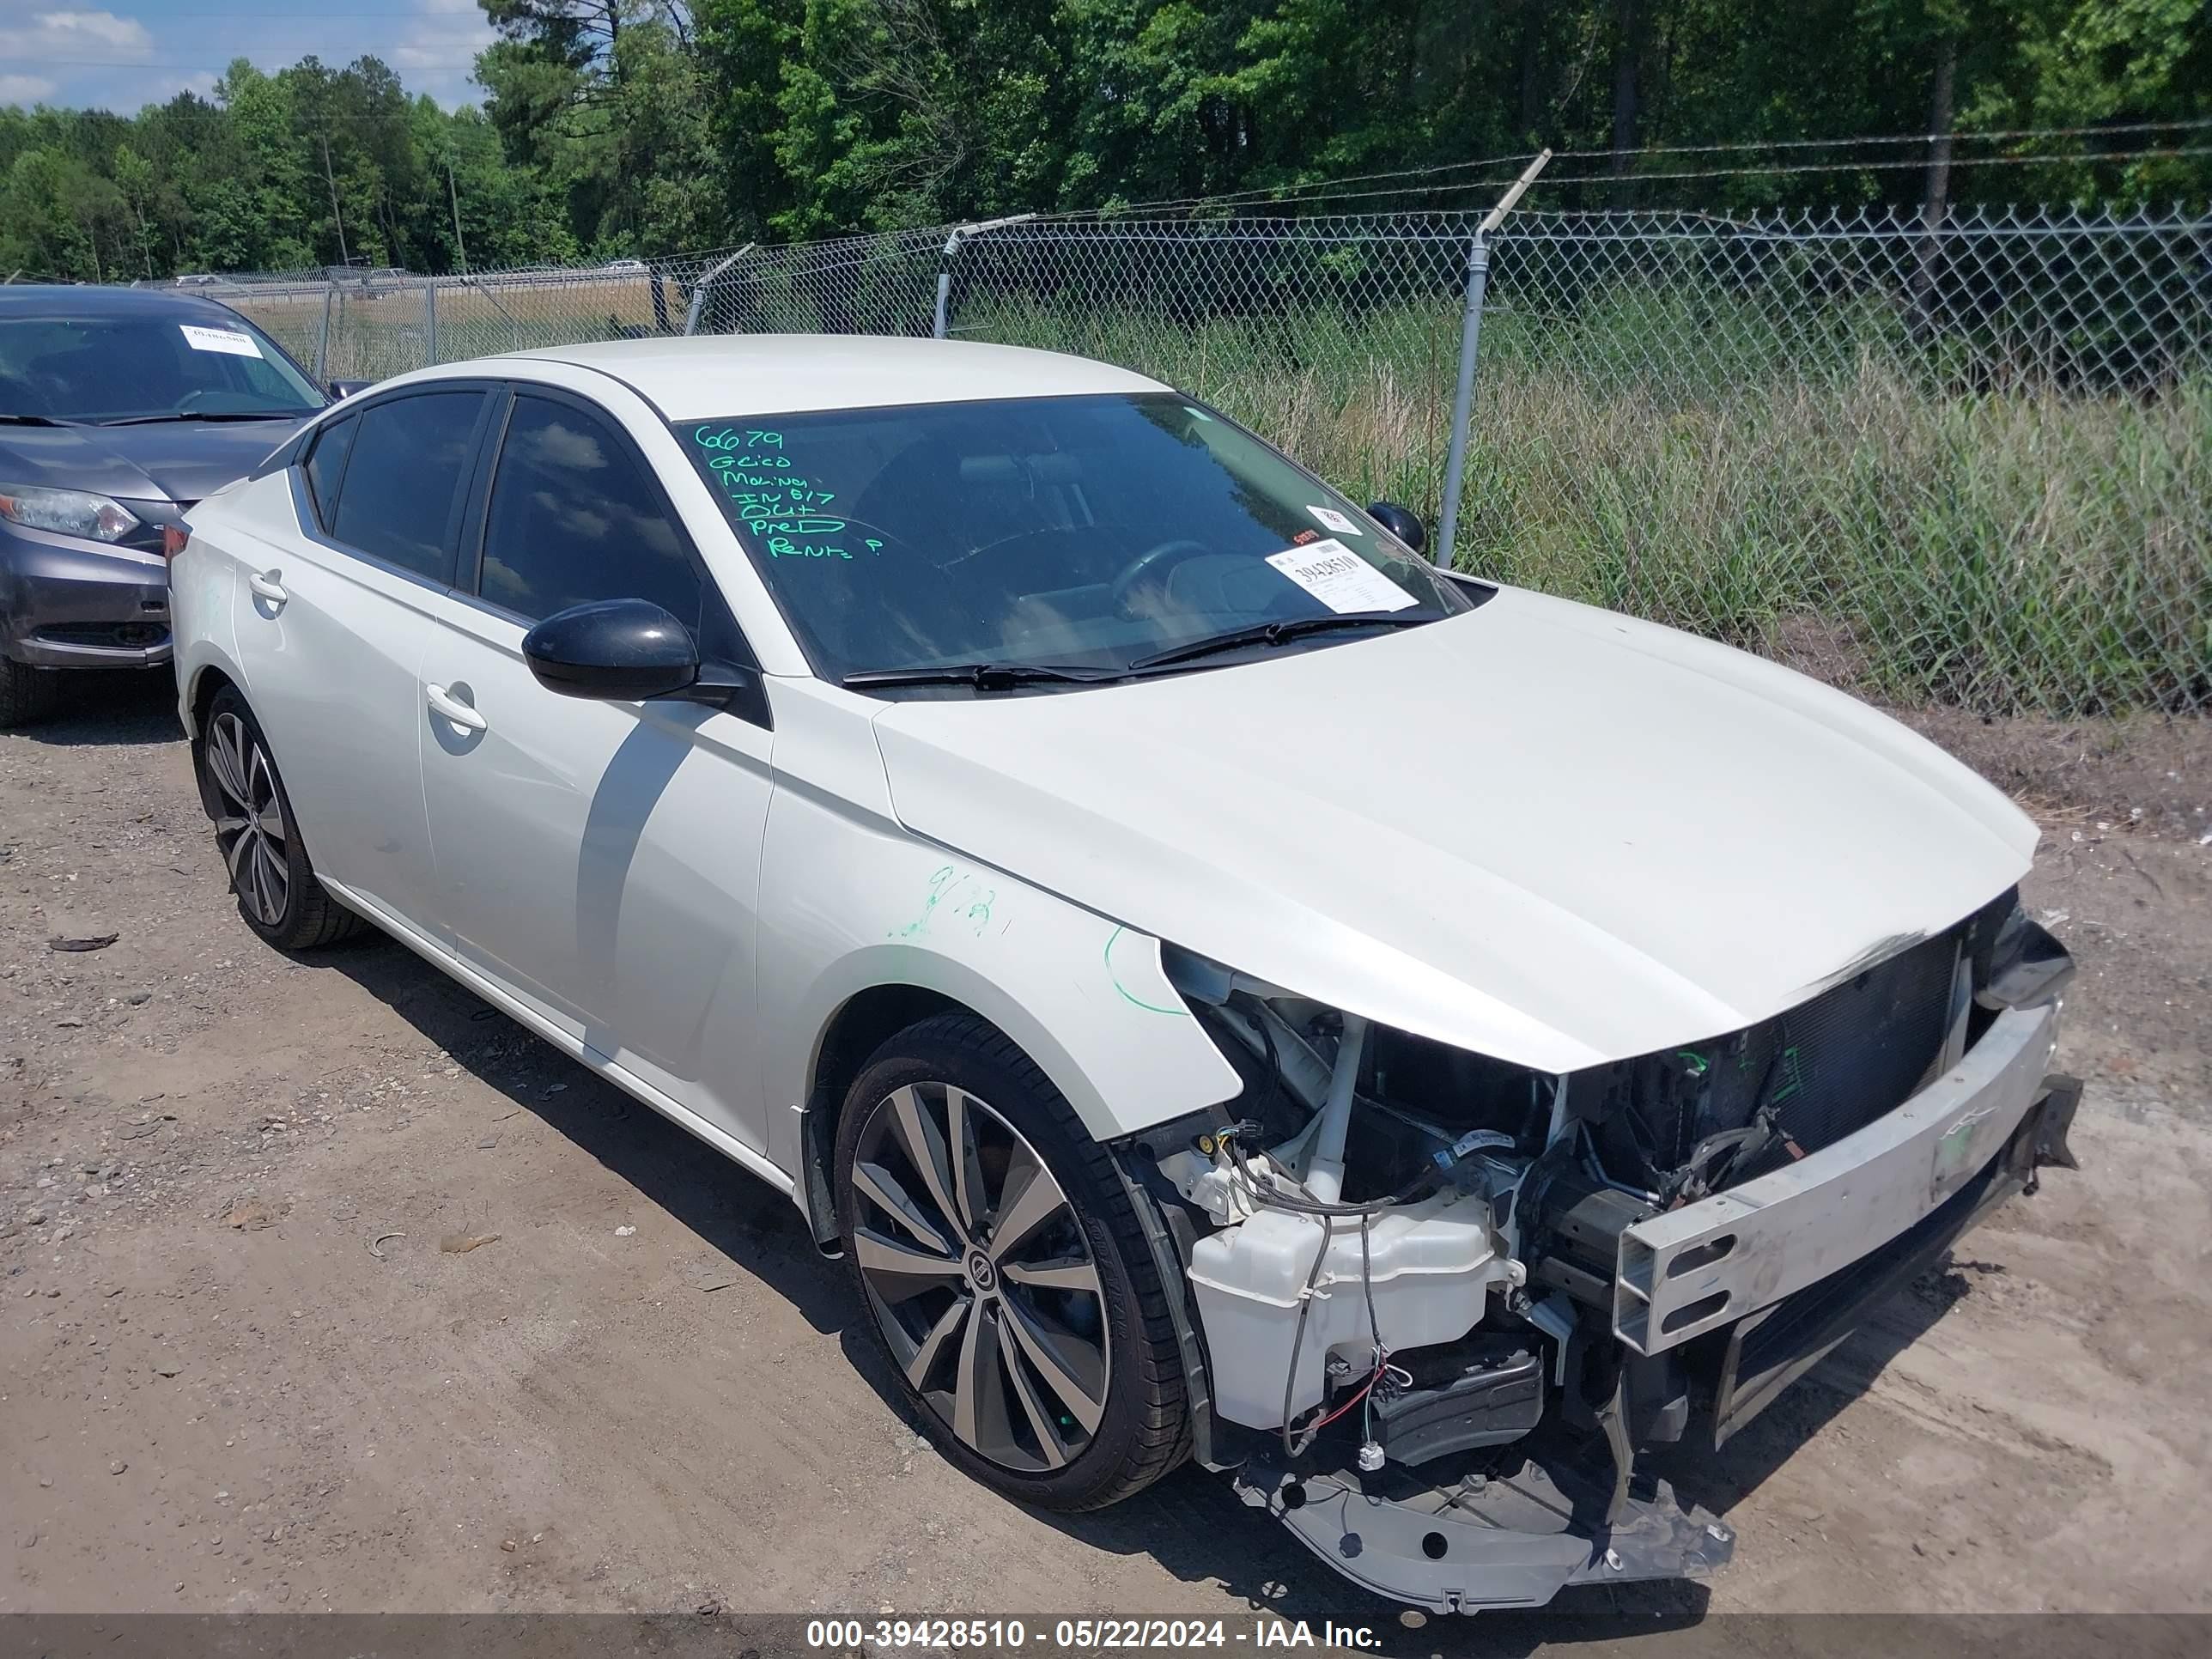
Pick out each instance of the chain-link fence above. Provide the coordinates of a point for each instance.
(354, 325)
(1970, 466)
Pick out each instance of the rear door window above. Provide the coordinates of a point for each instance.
(400, 498)
(326, 465)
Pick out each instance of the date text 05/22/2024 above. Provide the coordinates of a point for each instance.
(1085, 1634)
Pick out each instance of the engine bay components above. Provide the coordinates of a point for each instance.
(1435, 1286)
(1572, 1221)
(1487, 1392)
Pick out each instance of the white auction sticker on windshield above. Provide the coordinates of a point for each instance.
(1332, 519)
(1341, 579)
(228, 340)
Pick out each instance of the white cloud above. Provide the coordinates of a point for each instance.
(25, 89)
(437, 55)
(97, 57)
(87, 34)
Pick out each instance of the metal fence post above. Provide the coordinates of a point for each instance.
(323, 340)
(429, 321)
(962, 233)
(1470, 336)
(699, 289)
(945, 285)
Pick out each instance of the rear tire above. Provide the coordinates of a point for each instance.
(27, 695)
(270, 871)
(1012, 1287)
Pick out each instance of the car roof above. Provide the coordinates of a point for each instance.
(88, 300)
(709, 377)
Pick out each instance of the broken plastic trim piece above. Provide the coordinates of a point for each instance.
(2027, 965)
(1512, 1542)
(2062, 1095)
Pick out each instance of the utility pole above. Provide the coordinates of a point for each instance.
(1942, 112)
(337, 217)
(454, 190)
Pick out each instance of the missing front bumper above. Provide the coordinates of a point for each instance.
(1517, 1540)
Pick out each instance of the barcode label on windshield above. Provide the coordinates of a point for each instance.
(228, 340)
(1341, 579)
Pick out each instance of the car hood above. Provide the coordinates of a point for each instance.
(180, 461)
(1548, 832)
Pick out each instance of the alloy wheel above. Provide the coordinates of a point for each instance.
(979, 1275)
(250, 829)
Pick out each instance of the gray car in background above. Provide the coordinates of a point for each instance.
(119, 409)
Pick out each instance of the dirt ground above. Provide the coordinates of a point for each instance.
(645, 1391)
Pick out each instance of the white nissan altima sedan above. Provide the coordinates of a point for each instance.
(1442, 1056)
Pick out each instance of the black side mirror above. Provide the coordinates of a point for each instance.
(617, 650)
(342, 390)
(1402, 522)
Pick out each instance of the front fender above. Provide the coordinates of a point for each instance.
(851, 900)
(1084, 998)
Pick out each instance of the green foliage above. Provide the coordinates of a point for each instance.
(580, 148)
(857, 114)
(627, 126)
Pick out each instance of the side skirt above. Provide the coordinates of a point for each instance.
(670, 1108)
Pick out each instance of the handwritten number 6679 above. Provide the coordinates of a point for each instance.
(731, 437)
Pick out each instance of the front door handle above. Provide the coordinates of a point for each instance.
(266, 587)
(452, 709)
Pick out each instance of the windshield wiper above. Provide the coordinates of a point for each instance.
(983, 676)
(35, 420)
(1275, 633)
(224, 415)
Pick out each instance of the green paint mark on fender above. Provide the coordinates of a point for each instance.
(1128, 995)
(920, 925)
(971, 901)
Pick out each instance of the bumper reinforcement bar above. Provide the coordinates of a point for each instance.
(1709, 1264)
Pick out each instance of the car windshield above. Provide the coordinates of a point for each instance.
(155, 366)
(1087, 533)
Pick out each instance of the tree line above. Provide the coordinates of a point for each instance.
(619, 127)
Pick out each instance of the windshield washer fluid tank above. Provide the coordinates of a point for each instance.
(1431, 1265)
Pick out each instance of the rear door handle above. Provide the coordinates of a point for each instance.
(452, 709)
(266, 587)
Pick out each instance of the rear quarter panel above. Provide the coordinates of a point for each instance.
(202, 596)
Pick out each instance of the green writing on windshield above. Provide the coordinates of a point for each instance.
(731, 437)
(769, 496)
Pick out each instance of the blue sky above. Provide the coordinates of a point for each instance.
(121, 54)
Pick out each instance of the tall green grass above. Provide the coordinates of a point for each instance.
(1804, 486)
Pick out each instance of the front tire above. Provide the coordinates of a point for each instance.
(27, 695)
(1005, 1275)
(278, 894)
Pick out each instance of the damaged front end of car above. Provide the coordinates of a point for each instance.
(1453, 1317)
